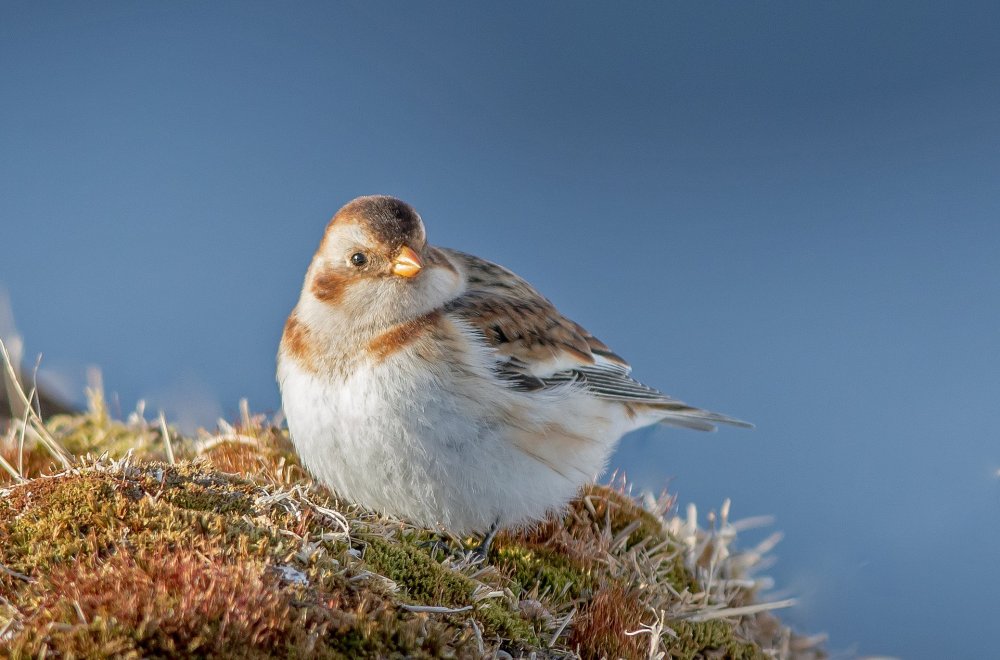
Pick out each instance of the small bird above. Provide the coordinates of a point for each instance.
(442, 388)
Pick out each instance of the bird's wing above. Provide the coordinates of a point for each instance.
(521, 324)
(539, 348)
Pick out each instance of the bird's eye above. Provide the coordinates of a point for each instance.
(359, 259)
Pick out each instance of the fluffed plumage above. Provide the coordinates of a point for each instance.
(442, 388)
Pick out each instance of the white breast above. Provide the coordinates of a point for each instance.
(437, 445)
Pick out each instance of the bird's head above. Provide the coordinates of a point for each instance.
(374, 264)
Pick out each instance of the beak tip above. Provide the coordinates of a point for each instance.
(407, 263)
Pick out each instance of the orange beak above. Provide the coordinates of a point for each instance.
(406, 263)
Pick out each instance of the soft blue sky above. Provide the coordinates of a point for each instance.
(787, 212)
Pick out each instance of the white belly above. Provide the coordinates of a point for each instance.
(433, 450)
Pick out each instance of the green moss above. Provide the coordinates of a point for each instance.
(391, 633)
(676, 574)
(73, 517)
(424, 580)
(497, 620)
(55, 520)
(195, 497)
(709, 639)
(553, 573)
(428, 582)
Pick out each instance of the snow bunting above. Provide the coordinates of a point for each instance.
(439, 387)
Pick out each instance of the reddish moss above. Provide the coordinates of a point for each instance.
(271, 457)
(177, 602)
(600, 626)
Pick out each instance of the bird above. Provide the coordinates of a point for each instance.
(441, 388)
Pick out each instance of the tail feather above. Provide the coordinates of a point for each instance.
(695, 418)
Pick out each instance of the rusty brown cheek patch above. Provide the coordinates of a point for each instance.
(396, 339)
(329, 286)
(296, 341)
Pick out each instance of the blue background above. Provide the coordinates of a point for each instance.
(787, 212)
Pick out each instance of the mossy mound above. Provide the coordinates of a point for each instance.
(221, 546)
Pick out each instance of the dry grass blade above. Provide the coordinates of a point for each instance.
(15, 574)
(167, 445)
(435, 609)
(709, 615)
(9, 469)
(37, 425)
(562, 627)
